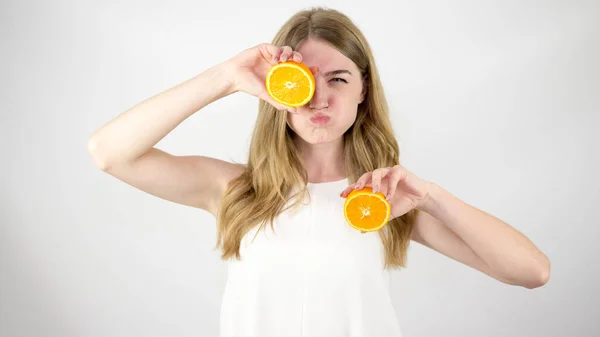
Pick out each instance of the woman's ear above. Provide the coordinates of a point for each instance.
(365, 86)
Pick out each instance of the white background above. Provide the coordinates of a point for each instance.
(496, 101)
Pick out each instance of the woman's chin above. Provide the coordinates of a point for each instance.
(319, 135)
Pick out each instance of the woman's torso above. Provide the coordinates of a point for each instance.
(313, 276)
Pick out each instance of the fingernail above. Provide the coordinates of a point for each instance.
(284, 58)
(375, 189)
(388, 197)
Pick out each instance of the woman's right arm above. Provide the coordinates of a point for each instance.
(124, 147)
(131, 134)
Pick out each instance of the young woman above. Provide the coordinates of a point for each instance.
(296, 268)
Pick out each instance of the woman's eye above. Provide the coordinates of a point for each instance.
(338, 78)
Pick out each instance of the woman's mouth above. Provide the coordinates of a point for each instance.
(320, 119)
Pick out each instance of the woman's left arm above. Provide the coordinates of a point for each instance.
(508, 255)
(458, 230)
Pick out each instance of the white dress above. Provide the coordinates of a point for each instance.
(315, 276)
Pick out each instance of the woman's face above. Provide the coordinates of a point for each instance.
(338, 91)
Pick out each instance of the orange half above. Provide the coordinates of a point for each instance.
(290, 83)
(367, 211)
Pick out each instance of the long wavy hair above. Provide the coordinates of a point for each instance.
(275, 166)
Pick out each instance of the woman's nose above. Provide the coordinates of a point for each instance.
(320, 97)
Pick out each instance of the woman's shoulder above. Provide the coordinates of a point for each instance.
(234, 170)
(230, 171)
(222, 173)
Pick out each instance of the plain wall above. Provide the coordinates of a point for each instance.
(495, 101)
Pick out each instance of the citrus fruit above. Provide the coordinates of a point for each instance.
(290, 83)
(366, 211)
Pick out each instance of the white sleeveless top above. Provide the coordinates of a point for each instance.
(315, 276)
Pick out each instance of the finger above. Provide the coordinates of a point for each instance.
(265, 97)
(270, 52)
(347, 190)
(384, 186)
(283, 107)
(286, 53)
(297, 57)
(397, 174)
(364, 180)
(315, 70)
(377, 178)
(361, 182)
(358, 185)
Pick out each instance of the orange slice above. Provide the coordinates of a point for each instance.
(290, 83)
(367, 211)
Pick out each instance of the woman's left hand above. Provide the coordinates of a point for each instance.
(404, 190)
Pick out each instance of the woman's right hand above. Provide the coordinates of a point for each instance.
(250, 68)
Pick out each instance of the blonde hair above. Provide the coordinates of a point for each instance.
(275, 166)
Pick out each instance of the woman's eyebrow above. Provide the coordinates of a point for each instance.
(337, 72)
